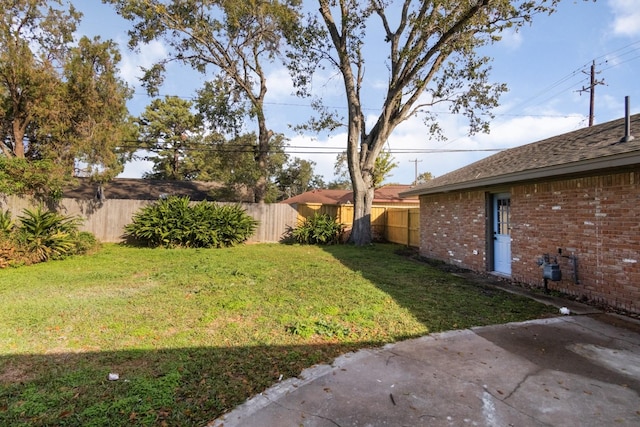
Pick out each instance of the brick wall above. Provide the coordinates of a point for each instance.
(594, 219)
(452, 228)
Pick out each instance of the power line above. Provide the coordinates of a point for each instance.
(298, 149)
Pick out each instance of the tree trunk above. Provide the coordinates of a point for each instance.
(18, 138)
(362, 201)
(361, 171)
(262, 158)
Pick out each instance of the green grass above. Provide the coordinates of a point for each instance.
(193, 333)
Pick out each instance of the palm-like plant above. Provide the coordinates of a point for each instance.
(45, 234)
(6, 223)
(175, 222)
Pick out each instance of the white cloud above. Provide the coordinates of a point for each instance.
(523, 130)
(323, 153)
(505, 133)
(626, 17)
(279, 84)
(132, 61)
(511, 38)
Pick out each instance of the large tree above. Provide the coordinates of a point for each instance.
(60, 99)
(173, 132)
(97, 117)
(432, 57)
(235, 38)
(236, 167)
(297, 177)
(34, 39)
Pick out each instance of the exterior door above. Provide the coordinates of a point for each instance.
(502, 233)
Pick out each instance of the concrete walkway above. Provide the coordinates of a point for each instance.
(576, 370)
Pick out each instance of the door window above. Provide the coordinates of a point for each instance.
(503, 216)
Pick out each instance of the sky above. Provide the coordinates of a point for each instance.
(545, 65)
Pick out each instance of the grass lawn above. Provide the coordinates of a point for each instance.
(193, 333)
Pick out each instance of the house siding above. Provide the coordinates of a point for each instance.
(596, 219)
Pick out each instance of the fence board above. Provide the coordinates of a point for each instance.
(106, 220)
(396, 225)
(403, 226)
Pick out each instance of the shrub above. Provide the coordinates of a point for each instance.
(6, 223)
(47, 235)
(40, 236)
(319, 229)
(85, 243)
(175, 222)
(7, 252)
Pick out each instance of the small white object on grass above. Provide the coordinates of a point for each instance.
(113, 377)
(564, 310)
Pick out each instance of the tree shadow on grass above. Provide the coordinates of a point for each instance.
(437, 296)
(184, 386)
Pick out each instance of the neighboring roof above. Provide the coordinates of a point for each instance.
(391, 194)
(139, 189)
(382, 195)
(589, 149)
(326, 197)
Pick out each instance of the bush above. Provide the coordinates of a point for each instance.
(319, 229)
(175, 222)
(6, 223)
(40, 236)
(47, 235)
(85, 243)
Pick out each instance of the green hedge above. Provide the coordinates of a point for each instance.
(176, 222)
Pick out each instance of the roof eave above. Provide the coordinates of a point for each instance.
(615, 161)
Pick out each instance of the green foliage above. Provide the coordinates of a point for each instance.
(423, 177)
(384, 164)
(6, 223)
(39, 178)
(237, 40)
(175, 222)
(85, 243)
(60, 97)
(320, 229)
(47, 235)
(40, 236)
(169, 127)
(297, 177)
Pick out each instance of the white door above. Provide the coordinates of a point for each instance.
(502, 233)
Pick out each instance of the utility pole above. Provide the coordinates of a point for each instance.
(592, 91)
(416, 161)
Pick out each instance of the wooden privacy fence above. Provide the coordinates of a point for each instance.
(393, 224)
(106, 220)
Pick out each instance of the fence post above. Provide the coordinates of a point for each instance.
(408, 227)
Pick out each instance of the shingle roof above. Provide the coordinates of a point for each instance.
(328, 197)
(584, 150)
(140, 189)
(386, 194)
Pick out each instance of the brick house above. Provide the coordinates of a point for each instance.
(570, 203)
